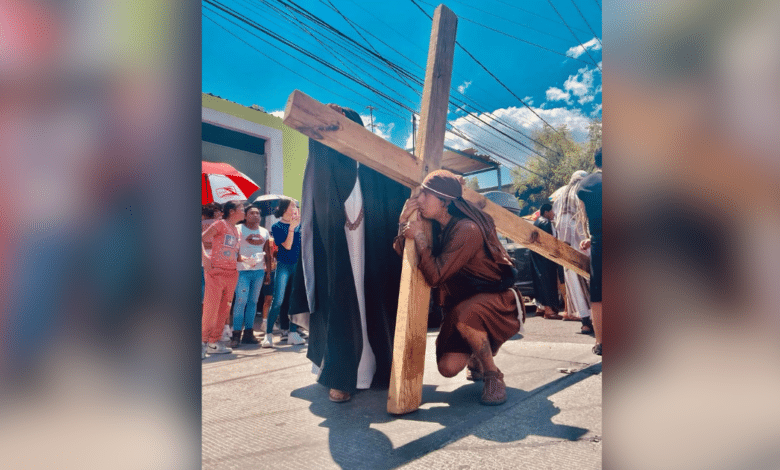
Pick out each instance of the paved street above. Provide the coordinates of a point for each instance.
(263, 409)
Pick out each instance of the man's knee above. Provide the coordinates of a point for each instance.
(449, 366)
(447, 370)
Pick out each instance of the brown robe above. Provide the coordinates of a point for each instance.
(463, 256)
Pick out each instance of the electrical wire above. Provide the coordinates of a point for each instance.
(586, 23)
(574, 35)
(302, 51)
(374, 54)
(504, 18)
(302, 62)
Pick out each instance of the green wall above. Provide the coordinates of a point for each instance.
(295, 144)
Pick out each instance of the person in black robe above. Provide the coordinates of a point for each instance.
(545, 272)
(324, 283)
(590, 194)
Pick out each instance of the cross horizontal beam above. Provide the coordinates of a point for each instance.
(319, 122)
(333, 129)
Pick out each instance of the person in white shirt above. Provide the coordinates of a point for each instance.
(251, 275)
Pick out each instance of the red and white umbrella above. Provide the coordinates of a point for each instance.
(221, 182)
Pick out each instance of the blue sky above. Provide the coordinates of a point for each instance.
(544, 51)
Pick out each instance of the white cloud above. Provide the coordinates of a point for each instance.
(556, 94)
(517, 118)
(581, 85)
(578, 50)
(529, 100)
(381, 129)
(409, 142)
(279, 114)
(464, 86)
(596, 110)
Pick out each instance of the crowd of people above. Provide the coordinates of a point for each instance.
(336, 268)
(244, 268)
(574, 217)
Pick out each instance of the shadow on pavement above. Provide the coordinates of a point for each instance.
(354, 444)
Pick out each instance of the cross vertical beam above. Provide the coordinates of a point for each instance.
(405, 393)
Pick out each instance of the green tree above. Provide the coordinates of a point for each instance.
(472, 183)
(594, 136)
(560, 157)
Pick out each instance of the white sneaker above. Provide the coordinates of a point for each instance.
(284, 334)
(218, 348)
(202, 350)
(267, 342)
(227, 333)
(295, 338)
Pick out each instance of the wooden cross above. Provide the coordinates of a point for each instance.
(331, 128)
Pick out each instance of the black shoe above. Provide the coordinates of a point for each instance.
(249, 337)
(235, 339)
(597, 349)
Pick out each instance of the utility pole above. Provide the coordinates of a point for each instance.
(371, 110)
(414, 128)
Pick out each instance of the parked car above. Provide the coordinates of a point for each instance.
(521, 256)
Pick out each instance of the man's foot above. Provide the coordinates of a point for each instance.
(494, 390)
(268, 341)
(474, 370)
(294, 338)
(218, 348)
(337, 396)
(597, 349)
(284, 334)
(552, 316)
(202, 350)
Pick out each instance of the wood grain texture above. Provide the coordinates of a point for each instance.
(405, 393)
(331, 128)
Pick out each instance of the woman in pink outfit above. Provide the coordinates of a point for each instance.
(221, 276)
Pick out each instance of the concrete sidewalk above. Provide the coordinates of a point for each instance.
(263, 409)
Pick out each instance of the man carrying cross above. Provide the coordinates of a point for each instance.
(474, 274)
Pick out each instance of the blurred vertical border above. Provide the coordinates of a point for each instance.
(692, 230)
(100, 317)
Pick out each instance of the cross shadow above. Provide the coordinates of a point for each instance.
(355, 444)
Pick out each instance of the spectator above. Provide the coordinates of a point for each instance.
(590, 194)
(221, 276)
(287, 233)
(570, 224)
(251, 275)
(545, 272)
(267, 293)
(210, 213)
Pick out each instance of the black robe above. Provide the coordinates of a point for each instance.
(327, 290)
(545, 272)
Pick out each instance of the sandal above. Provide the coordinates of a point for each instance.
(552, 316)
(494, 391)
(587, 330)
(337, 396)
(597, 349)
(475, 375)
